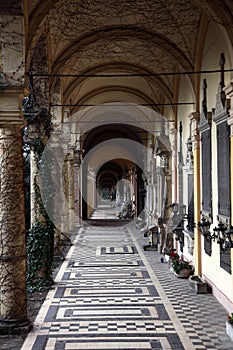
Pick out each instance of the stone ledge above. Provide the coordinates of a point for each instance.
(197, 284)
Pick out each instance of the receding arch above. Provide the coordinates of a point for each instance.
(157, 81)
(144, 35)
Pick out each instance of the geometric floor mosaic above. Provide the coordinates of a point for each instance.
(107, 296)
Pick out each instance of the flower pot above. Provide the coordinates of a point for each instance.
(229, 330)
(183, 273)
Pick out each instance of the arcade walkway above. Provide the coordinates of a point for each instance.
(107, 296)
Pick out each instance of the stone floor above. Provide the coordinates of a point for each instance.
(111, 294)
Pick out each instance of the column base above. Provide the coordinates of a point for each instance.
(10, 327)
(58, 257)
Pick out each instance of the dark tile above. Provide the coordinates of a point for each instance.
(51, 314)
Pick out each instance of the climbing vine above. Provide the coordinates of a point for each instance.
(40, 237)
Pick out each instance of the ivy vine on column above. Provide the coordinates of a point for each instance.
(40, 236)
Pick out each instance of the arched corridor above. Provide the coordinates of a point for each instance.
(116, 138)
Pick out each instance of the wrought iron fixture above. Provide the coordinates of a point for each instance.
(229, 235)
(179, 234)
(204, 226)
(222, 233)
(179, 215)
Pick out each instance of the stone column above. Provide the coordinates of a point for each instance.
(91, 178)
(65, 205)
(195, 117)
(174, 162)
(13, 303)
(71, 188)
(77, 178)
(57, 254)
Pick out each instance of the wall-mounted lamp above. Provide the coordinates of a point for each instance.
(204, 226)
(229, 234)
(221, 237)
(178, 222)
(179, 234)
(223, 234)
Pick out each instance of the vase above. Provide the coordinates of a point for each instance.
(229, 330)
(183, 273)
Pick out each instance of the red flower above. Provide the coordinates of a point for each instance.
(172, 254)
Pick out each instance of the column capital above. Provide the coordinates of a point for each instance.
(195, 118)
(10, 105)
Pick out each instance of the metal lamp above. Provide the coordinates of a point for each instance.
(229, 235)
(220, 234)
(204, 226)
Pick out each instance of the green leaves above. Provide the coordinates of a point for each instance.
(179, 264)
(40, 238)
(40, 243)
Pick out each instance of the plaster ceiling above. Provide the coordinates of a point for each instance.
(133, 36)
(83, 39)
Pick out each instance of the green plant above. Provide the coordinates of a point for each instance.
(180, 264)
(40, 252)
(167, 251)
(40, 237)
(230, 318)
(170, 252)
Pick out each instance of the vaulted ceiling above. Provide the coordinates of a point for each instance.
(137, 37)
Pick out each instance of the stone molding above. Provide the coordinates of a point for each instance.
(10, 105)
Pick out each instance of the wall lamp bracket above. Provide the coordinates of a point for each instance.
(204, 226)
(224, 236)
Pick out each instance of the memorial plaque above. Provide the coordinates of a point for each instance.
(206, 171)
(223, 154)
(225, 261)
(208, 246)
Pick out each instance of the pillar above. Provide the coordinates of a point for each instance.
(197, 190)
(229, 92)
(55, 214)
(33, 172)
(77, 178)
(65, 205)
(91, 192)
(70, 176)
(13, 302)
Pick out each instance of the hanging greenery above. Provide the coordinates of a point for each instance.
(40, 237)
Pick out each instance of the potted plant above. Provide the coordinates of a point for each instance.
(169, 254)
(181, 268)
(229, 326)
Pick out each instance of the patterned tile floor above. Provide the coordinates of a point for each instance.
(110, 294)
